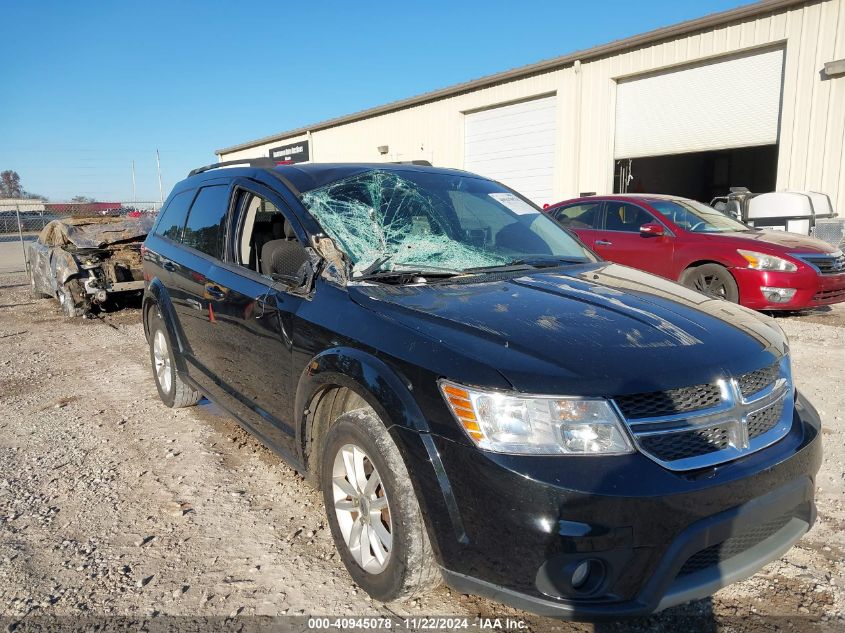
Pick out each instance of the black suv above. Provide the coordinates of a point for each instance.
(479, 397)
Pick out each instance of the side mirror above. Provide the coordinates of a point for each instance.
(652, 229)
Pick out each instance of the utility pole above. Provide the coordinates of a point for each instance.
(134, 198)
(160, 190)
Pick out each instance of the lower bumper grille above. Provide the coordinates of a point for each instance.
(830, 295)
(716, 554)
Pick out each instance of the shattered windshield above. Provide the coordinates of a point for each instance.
(429, 221)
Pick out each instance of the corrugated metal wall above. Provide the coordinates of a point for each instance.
(812, 126)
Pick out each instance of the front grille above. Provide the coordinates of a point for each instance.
(757, 380)
(833, 264)
(716, 554)
(669, 447)
(657, 403)
(703, 425)
(764, 420)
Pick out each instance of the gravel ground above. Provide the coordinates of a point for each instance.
(112, 504)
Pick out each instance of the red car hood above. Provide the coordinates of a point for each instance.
(776, 241)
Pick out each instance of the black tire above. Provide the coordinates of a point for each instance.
(410, 568)
(72, 298)
(712, 280)
(172, 389)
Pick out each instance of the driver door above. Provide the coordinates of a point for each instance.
(620, 240)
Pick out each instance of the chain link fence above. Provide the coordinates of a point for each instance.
(22, 220)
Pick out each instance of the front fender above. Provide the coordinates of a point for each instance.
(384, 388)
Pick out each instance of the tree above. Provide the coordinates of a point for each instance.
(10, 184)
(82, 199)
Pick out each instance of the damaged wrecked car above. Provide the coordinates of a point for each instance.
(480, 398)
(85, 262)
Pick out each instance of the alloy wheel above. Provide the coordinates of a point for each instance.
(362, 508)
(711, 284)
(161, 361)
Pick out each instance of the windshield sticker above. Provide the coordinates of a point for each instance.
(514, 203)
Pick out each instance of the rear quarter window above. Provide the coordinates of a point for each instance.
(172, 219)
(205, 229)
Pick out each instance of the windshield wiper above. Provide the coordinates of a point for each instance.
(428, 271)
(528, 263)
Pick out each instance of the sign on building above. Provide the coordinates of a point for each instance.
(290, 154)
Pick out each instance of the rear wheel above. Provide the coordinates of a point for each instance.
(713, 280)
(172, 389)
(372, 510)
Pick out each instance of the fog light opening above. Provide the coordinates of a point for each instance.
(777, 295)
(580, 575)
(586, 576)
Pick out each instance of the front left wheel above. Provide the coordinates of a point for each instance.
(372, 510)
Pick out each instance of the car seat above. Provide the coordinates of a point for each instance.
(285, 255)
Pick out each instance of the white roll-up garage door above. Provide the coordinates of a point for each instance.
(718, 105)
(515, 145)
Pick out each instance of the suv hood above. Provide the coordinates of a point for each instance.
(778, 242)
(596, 329)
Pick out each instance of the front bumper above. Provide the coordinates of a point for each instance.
(656, 538)
(812, 288)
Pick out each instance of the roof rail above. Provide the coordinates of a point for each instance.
(420, 163)
(261, 162)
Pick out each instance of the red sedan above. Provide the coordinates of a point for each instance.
(692, 243)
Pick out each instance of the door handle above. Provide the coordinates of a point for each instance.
(603, 243)
(194, 304)
(215, 291)
(168, 265)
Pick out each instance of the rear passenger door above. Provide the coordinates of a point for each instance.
(192, 288)
(582, 218)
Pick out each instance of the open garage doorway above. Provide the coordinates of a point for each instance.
(699, 175)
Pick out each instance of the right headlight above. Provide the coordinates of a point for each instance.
(537, 425)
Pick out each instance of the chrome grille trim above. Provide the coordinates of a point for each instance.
(702, 433)
(824, 263)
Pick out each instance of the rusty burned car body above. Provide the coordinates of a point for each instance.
(84, 262)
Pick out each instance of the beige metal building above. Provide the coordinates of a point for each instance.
(753, 97)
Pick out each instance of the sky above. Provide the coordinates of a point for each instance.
(88, 87)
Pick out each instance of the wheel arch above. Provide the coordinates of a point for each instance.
(705, 260)
(341, 379)
(157, 297)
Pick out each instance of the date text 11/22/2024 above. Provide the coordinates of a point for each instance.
(433, 623)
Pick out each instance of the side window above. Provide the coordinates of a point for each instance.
(624, 216)
(583, 215)
(206, 226)
(173, 217)
(263, 224)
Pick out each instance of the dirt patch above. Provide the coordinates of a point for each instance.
(112, 504)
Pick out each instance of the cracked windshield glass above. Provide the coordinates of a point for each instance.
(436, 222)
